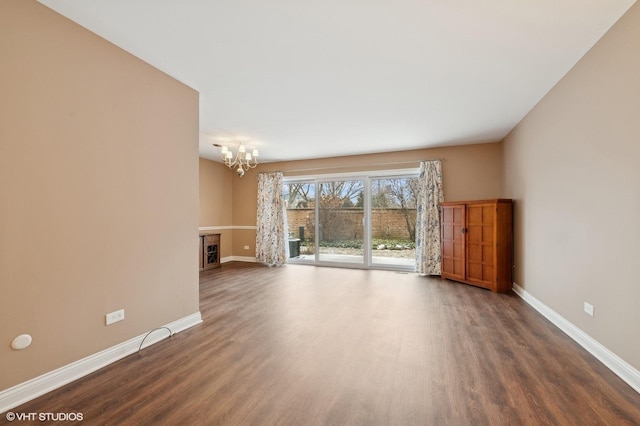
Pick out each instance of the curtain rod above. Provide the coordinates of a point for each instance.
(311, 169)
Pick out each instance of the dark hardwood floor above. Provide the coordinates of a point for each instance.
(304, 345)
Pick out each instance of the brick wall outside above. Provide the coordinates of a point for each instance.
(346, 224)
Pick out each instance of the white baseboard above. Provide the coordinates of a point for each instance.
(612, 361)
(238, 259)
(47, 382)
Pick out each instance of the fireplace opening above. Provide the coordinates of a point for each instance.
(212, 254)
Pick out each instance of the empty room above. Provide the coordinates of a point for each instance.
(312, 213)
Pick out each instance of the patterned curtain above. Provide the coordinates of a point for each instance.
(428, 218)
(270, 234)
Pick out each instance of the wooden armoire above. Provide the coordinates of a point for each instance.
(477, 241)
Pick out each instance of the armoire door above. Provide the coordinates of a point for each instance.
(480, 244)
(453, 242)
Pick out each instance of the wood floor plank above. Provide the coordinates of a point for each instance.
(304, 345)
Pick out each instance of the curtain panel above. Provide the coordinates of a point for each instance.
(428, 250)
(270, 232)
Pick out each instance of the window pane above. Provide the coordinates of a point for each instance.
(299, 201)
(340, 215)
(393, 221)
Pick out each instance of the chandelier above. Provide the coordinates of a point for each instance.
(241, 161)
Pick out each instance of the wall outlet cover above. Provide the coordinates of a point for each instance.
(588, 308)
(114, 317)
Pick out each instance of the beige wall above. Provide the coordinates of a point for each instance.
(98, 193)
(469, 172)
(572, 166)
(215, 201)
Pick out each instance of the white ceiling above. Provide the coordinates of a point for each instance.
(336, 77)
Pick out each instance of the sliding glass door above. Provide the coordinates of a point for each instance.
(365, 221)
(393, 221)
(300, 200)
(341, 221)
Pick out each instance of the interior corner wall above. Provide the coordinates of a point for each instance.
(572, 167)
(98, 193)
(216, 195)
(470, 172)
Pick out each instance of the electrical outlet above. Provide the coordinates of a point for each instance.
(588, 308)
(114, 316)
(246, 247)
